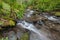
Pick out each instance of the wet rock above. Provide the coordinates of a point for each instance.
(6, 23)
(47, 26)
(25, 36)
(51, 17)
(49, 33)
(55, 35)
(33, 16)
(19, 34)
(34, 36)
(12, 35)
(52, 25)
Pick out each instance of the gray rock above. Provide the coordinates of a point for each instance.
(12, 35)
(34, 36)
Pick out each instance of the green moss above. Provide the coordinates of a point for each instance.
(1, 22)
(4, 38)
(57, 13)
(12, 23)
(25, 36)
(6, 22)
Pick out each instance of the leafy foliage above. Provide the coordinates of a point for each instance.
(15, 8)
(12, 9)
(9, 10)
(46, 5)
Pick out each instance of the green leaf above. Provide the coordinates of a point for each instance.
(6, 6)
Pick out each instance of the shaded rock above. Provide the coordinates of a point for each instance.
(12, 36)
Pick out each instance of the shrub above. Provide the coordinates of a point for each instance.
(46, 5)
(12, 9)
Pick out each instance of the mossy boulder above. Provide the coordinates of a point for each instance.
(57, 13)
(25, 36)
(6, 23)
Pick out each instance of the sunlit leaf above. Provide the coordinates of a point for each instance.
(6, 6)
(11, 22)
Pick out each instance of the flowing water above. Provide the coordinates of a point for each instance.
(29, 13)
(32, 28)
(51, 18)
